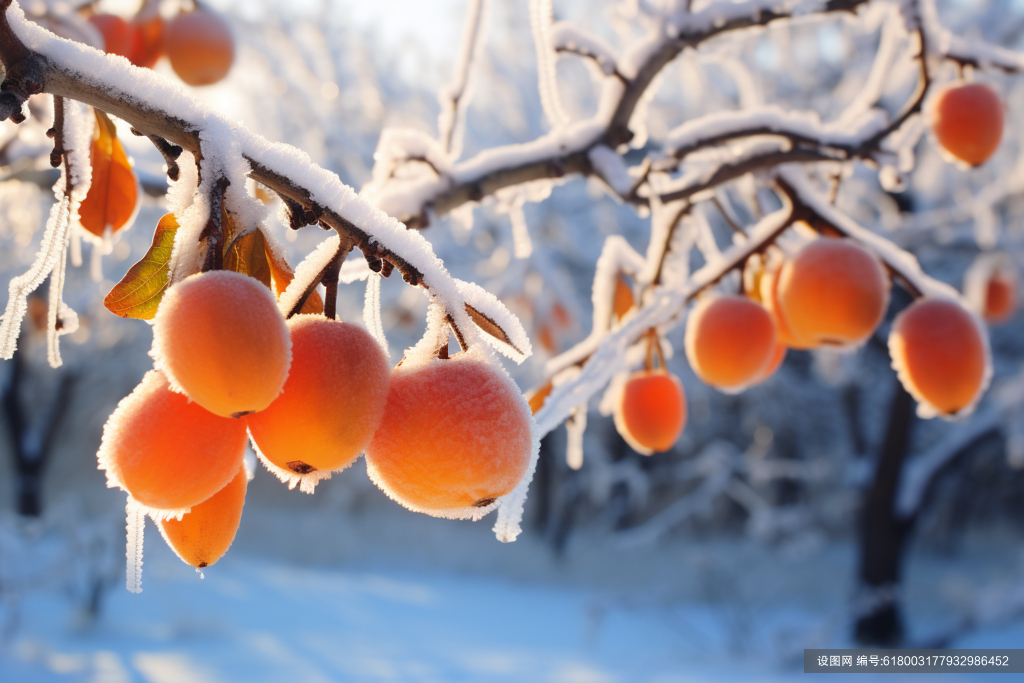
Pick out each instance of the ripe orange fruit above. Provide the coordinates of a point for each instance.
(332, 402)
(968, 121)
(199, 46)
(118, 35)
(729, 341)
(149, 40)
(833, 292)
(167, 452)
(774, 363)
(221, 340)
(768, 285)
(651, 412)
(204, 534)
(940, 353)
(456, 433)
(991, 287)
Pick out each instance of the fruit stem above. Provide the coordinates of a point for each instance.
(655, 356)
(329, 279)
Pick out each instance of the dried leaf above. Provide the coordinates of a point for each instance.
(114, 192)
(490, 327)
(138, 293)
(246, 254)
(282, 274)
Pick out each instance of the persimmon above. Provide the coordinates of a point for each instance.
(833, 292)
(199, 46)
(332, 401)
(167, 452)
(968, 121)
(204, 534)
(991, 287)
(149, 39)
(768, 286)
(622, 299)
(221, 340)
(729, 341)
(774, 363)
(456, 433)
(119, 36)
(940, 353)
(651, 411)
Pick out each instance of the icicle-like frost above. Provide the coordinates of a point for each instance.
(547, 80)
(56, 292)
(371, 312)
(75, 249)
(522, 244)
(455, 98)
(575, 427)
(136, 526)
(52, 249)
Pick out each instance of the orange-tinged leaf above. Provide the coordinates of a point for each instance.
(282, 274)
(114, 191)
(138, 293)
(246, 254)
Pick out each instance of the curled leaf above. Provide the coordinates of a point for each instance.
(114, 192)
(138, 293)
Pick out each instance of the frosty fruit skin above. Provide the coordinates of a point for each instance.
(651, 412)
(940, 354)
(221, 340)
(968, 122)
(1000, 299)
(332, 402)
(730, 341)
(199, 46)
(833, 292)
(167, 452)
(456, 433)
(118, 35)
(769, 291)
(204, 534)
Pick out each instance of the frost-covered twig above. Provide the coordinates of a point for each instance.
(38, 61)
(454, 98)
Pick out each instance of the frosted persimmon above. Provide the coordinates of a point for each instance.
(774, 363)
(968, 121)
(204, 534)
(833, 292)
(199, 46)
(221, 340)
(651, 411)
(768, 287)
(991, 287)
(332, 402)
(730, 341)
(119, 36)
(149, 39)
(456, 433)
(940, 353)
(167, 452)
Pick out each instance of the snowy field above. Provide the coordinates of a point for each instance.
(258, 618)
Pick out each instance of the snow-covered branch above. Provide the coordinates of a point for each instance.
(37, 61)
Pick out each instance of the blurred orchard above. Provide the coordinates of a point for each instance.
(720, 296)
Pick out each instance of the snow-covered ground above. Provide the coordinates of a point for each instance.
(260, 618)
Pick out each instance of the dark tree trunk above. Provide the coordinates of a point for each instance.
(31, 456)
(883, 534)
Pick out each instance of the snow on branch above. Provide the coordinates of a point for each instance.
(565, 150)
(38, 61)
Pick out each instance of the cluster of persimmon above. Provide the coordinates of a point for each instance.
(832, 293)
(313, 393)
(197, 42)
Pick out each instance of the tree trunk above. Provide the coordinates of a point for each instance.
(883, 535)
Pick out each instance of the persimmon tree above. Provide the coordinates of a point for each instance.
(808, 274)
